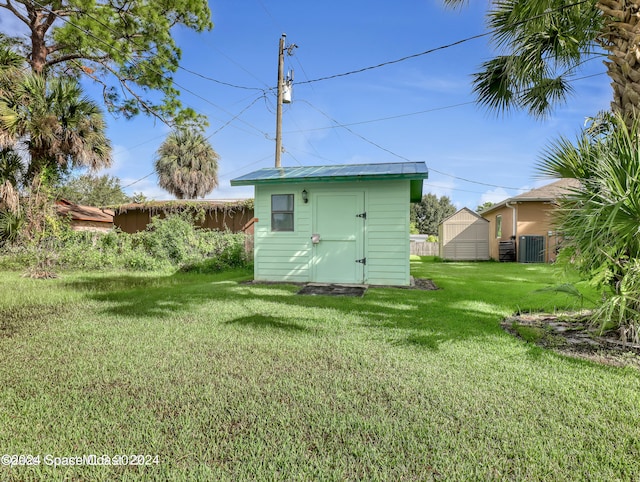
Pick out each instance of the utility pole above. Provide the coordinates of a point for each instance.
(279, 105)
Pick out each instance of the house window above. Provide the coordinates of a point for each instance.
(282, 212)
(499, 226)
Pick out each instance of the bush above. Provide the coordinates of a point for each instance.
(10, 225)
(170, 243)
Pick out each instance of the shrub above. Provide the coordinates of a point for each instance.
(170, 243)
(599, 217)
(11, 223)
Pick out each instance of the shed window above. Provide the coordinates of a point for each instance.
(499, 226)
(282, 212)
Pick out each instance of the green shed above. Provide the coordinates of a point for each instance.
(334, 224)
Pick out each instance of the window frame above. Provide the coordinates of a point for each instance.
(291, 199)
(498, 226)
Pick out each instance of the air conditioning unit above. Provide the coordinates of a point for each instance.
(531, 249)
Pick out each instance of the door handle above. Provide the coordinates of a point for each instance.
(315, 238)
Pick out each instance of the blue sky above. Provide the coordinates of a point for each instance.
(420, 109)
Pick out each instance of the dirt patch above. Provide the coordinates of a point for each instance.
(424, 284)
(333, 290)
(571, 335)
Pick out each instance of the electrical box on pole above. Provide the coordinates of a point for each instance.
(287, 88)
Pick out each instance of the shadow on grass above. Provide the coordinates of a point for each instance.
(430, 342)
(262, 321)
(470, 305)
(159, 296)
(403, 317)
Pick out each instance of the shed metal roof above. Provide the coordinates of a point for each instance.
(349, 172)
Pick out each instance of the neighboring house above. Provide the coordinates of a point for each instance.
(236, 216)
(85, 218)
(464, 236)
(521, 227)
(334, 224)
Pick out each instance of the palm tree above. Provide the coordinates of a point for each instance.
(11, 169)
(600, 219)
(544, 42)
(187, 165)
(55, 124)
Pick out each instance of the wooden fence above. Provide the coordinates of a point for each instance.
(424, 248)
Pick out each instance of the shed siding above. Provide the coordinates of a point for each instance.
(464, 236)
(282, 256)
(387, 235)
(287, 256)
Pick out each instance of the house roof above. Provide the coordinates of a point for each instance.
(84, 213)
(547, 193)
(412, 171)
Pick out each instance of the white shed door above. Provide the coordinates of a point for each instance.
(338, 257)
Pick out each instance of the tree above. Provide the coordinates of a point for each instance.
(599, 220)
(430, 212)
(55, 123)
(11, 169)
(544, 42)
(139, 198)
(484, 206)
(124, 45)
(93, 190)
(187, 165)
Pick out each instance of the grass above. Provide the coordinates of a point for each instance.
(231, 381)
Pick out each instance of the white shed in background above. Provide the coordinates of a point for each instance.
(464, 236)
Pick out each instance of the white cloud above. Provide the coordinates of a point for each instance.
(494, 196)
(148, 187)
(232, 192)
(120, 158)
(439, 188)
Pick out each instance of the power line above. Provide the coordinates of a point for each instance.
(202, 76)
(241, 168)
(208, 137)
(381, 119)
(138, 180)
(309, 82)
(163, 75)
(436, 49)
(241, 67)
(192, 72)
(446, 188)
(400, 156)
(390, 62)
(399, 116)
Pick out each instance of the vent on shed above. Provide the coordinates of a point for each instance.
(531, 249)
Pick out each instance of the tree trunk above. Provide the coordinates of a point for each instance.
(621, 39)
(38, 28)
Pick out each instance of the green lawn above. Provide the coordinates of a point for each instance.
(229, 381)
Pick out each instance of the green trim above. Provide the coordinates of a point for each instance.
(389, 177)
(415, 190)
(412, 171)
